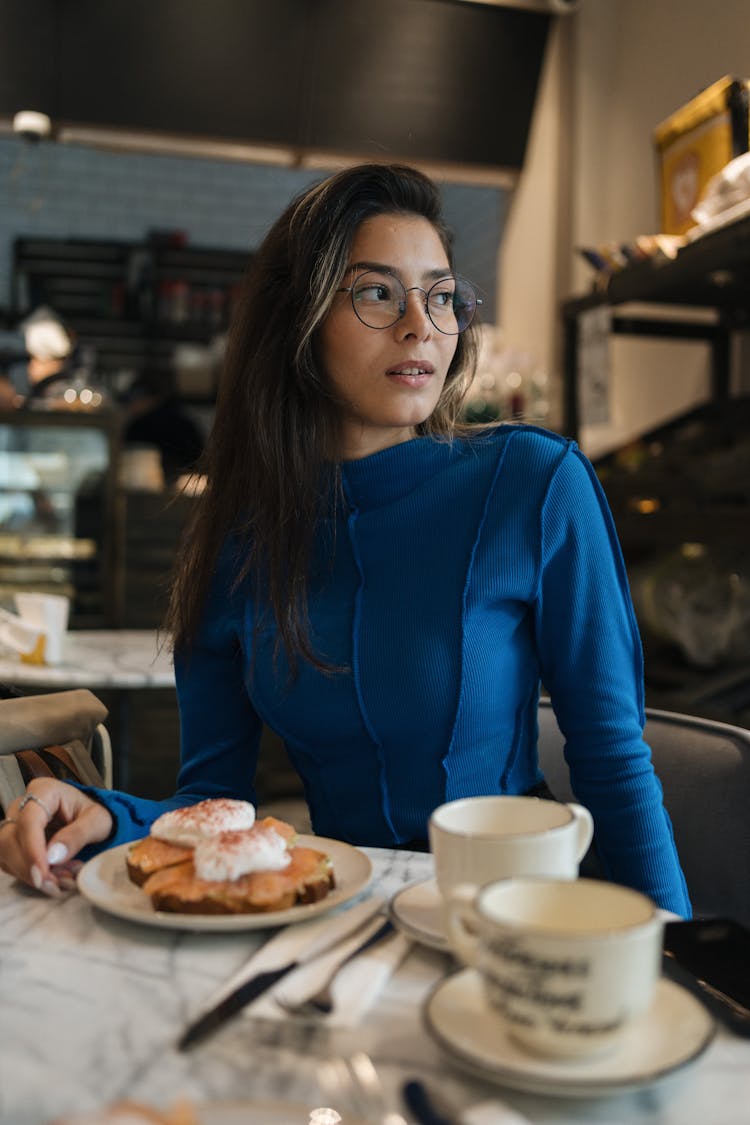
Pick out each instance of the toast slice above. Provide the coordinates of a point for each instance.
(149, 855)
(308, 878)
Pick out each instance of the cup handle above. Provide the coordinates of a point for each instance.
(462, 922)
(585, 827)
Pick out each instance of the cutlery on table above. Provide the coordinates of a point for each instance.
(291, 947)
(420, 1104)
(425, 1110)
(320, 1000)
(355, 1082)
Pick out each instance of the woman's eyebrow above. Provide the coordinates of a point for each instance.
(383, 267)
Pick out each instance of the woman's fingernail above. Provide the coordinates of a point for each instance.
(36, 876)
(56, 853)
(50, 888)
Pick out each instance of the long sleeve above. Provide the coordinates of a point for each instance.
(591, 664)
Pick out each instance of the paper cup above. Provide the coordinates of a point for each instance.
(48, 613)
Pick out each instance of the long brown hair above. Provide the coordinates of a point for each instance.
(271, 457)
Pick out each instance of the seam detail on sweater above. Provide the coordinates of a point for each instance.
(356, 632)
(465, 595)
(542, 513)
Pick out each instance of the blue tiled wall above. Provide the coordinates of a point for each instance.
(70, 191)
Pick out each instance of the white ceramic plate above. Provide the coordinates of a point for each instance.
(104, 882)
(258, 1113)
(675, 1030)
(418, 911)
(252, 1113)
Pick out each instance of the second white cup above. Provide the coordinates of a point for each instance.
(480, 839)
(567, 964)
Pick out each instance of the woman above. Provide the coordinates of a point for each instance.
(383, 587)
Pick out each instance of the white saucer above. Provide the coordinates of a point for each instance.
(418, 911)
(675, 1030)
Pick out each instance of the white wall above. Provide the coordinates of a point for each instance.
(530, 253)
(623, 66)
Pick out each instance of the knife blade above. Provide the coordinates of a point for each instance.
(233, 1003)
(292, 947)
(261, 982)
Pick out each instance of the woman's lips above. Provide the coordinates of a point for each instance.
(412, 374)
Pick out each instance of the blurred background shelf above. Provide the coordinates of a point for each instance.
(130, 303)
(710, 273)
(680, 492)
(680, 497)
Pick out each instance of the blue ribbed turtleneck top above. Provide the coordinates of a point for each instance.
(461, 574)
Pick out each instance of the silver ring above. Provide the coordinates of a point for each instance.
(8, 820)
(37, 801)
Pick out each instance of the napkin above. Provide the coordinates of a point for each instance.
(355, 987)
(366, 974)
(308, 980)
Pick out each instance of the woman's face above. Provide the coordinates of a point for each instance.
(387, 380)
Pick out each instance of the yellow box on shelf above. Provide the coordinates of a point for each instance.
(695, 143)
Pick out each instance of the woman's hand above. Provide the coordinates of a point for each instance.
(47, 860)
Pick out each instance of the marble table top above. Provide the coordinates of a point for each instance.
(99, 658)
(90, 1006)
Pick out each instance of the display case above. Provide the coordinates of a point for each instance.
(58, 496)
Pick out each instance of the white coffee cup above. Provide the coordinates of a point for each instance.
(481, 839)
(566, 964)
(48, 613)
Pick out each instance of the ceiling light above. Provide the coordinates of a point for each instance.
(32, 126)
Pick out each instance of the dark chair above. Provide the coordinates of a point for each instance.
(704, 769)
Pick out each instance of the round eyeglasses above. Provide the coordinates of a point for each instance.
(379, 300)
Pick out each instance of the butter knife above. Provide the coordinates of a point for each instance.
(290, 948)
